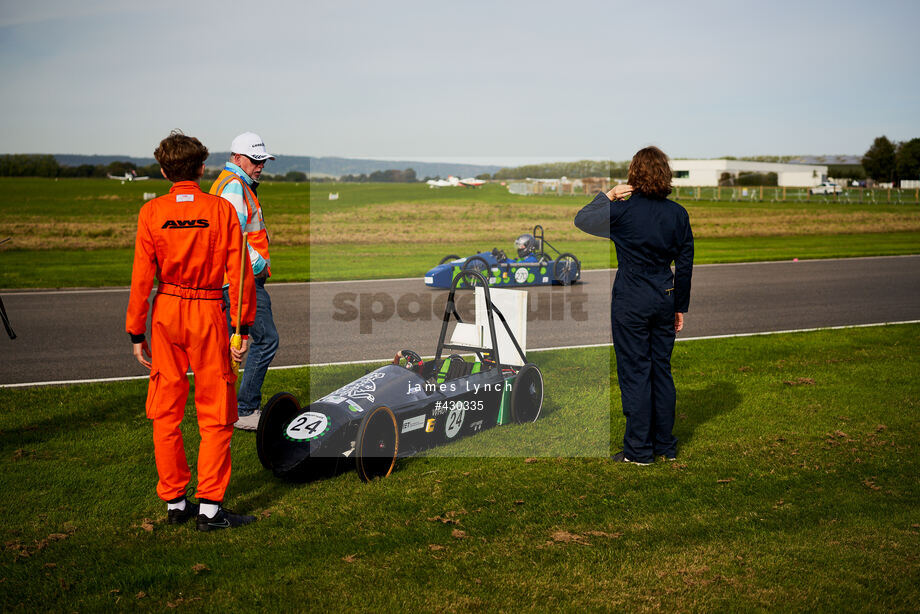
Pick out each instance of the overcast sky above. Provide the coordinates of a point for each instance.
(473, 81)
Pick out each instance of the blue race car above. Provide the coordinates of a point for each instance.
(533, 267)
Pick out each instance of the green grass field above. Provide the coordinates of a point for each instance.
(80, 232)
(795, 489)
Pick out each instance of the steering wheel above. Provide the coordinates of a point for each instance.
(499, 255)
(414, 362)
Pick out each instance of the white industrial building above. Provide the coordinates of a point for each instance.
(709, 172)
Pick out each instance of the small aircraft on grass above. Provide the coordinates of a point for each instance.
(454, 182)
(130, 175)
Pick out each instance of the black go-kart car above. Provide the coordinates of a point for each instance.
(397, 411)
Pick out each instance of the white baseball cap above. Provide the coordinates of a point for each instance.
(250, 145)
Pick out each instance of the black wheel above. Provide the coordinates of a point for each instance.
(566, 269)
(527, 394)
(478, 264)
(449, 258)
(290, 457)
(278, 413)
(377, 444)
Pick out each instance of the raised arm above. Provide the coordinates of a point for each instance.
(599, 215)
(594, 218)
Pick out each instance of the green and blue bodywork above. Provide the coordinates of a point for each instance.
(501, 274)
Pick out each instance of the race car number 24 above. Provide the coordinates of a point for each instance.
(454, 422)
(306, 426)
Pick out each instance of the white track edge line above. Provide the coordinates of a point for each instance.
(565, 347)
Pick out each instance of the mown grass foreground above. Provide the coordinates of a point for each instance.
(796, 488)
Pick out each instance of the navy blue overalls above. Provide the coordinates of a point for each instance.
(649, 234)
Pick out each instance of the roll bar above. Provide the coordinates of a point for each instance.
(450, 309)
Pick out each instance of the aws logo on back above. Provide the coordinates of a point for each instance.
(185, 224)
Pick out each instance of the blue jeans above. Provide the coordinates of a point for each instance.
(263, 343)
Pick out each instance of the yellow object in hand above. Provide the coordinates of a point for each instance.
(236, 342)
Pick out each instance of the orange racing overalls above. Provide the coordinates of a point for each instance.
(190, 240)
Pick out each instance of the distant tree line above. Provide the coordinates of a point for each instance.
(294, 176)
(890, 162)
(26, 165)
(884, 161)
(45, 165)
(390, 176)
(553, 170)
(847, 171)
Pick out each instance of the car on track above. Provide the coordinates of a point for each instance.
(533, 267)
(399, 410)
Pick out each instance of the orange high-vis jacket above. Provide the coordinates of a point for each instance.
(256, 233)
(190, 240)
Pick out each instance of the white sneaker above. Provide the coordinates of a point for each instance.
(620, 457)
(250, 422)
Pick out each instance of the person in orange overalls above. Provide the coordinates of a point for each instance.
(190, 240)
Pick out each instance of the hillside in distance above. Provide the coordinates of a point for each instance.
(317, 166)
(328, 166)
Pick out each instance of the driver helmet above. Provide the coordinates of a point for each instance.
(525, 245)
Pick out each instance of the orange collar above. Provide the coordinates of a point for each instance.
(185, 186)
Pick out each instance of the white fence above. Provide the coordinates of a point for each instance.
(787, 194)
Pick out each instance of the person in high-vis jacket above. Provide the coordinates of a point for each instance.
(648, 300)
(190, 241)
(238, 183)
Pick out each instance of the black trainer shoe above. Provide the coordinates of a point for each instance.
(620, 457)
(182, 516)
(224, 519)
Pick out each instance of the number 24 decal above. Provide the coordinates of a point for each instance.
(311, 428)
(307, 425)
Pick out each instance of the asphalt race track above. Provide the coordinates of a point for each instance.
(79, 334)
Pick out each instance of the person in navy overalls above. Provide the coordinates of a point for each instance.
(648, 300)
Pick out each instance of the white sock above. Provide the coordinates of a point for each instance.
(208, 509)
(176, 506)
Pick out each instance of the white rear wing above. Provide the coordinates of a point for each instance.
(513, 306)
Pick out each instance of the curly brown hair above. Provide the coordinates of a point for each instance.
(650, 173)
(181, 156)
